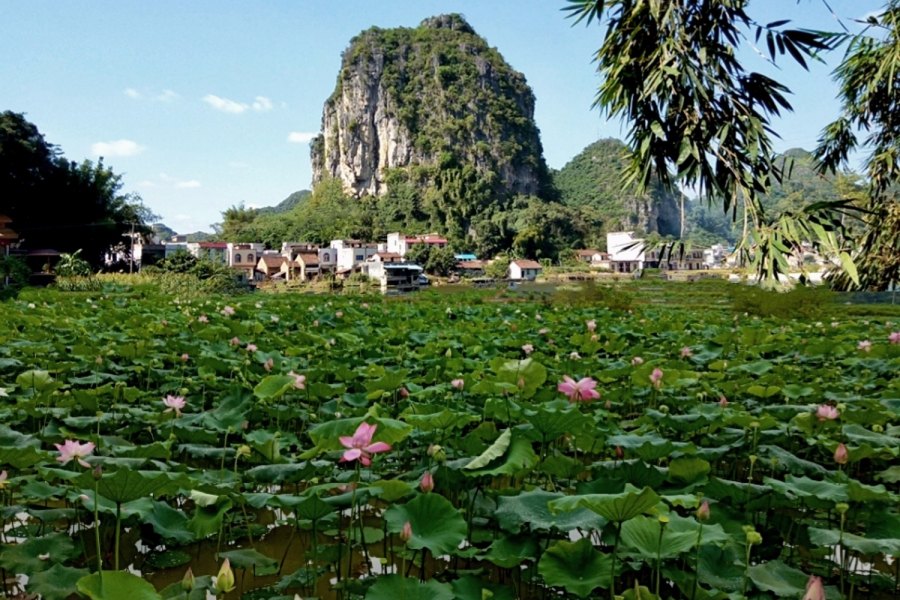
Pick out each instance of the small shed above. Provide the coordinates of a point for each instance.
(524, 270)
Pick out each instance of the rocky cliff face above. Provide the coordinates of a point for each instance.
(424, 100)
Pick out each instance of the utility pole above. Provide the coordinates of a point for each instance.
(131, 262)
(682, 215)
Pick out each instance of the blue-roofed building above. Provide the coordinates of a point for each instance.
(465, 257)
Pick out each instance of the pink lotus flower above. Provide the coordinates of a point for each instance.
(637, 360)
(591, 325)
(3, 477)
(656, 377)
(364, 305)
(723, 401)
(574, 356)
(894, 338)
(595, 337)
(235, 341)
(840, 454)
(686, 352)
(814, 589)
(361, 446)
(427, 483)
(406, 533)
(338, 314)
(252, 348)
(270, 362)
(404, 393)
(299, 380)
(164, 323)
(827, 413)
(185, 357)
(543, 331)
(72, 450)
(865, 346)
(458, 383)
(227, 311)
(578, 391)
(175, 403)
(203, 319)
(527, 349)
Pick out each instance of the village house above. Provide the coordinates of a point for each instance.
(351, 253)
(470, 268)
(7, 235)
(273, 267)
(395, 276)
(524, 270)
(243, 258)
(400, 243)
(390, 257)
(627, 255)
(306, 266)
(596, 258)
(214, 251)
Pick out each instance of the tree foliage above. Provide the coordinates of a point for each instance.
(61, 204)
(699, 118)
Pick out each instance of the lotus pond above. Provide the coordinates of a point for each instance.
(442, 447)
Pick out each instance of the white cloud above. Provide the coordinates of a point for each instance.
(146, 183)
(117, 148)
(132, 93)
(193, 183)
(183, 217)
(225, 105)
(299, 137)
(262, 103)
(167, 96)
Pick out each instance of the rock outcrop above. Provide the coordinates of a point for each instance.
(424, 100)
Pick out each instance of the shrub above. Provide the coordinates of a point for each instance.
(17, 271)
(800, 302)
(78, 283)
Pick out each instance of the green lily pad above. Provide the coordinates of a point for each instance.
(168, 559)
(393, 587)
(472, 588)
(532, 508)
(26, 558)
(643, 534)
(777, 577)
(56, 583)
(116, 585)
(613, 507)
(436, 525)
(577, 567)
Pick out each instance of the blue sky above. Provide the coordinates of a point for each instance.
(207, 104)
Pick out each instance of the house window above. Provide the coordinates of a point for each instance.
(249, 258)
(237, 258)
(359, 257)
(326, 257)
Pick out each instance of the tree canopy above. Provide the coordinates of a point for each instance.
(61, 204)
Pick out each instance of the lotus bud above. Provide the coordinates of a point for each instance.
(449, 353)
(406, 532)
(225, 578)
(840, 455)
(723, 401)
(98, 472)
(664, 409)
(814, 589)
(619, 452)
(703, 511)
(521, 383)
(427, 483)
(187, 584)
(404, 393)
(608, 404)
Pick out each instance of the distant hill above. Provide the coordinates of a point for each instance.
(164, 233)
(593, 180)
(285, 205)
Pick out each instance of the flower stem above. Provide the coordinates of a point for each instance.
(612, 579)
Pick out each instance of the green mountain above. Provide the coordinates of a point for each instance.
(437, 117)
(593, 181)
(285, 205)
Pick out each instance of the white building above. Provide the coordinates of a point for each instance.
(400, 243)
(244, 257)
(352, 252)
(524, 270)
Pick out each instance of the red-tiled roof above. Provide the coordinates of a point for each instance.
(527, 264)
(216, 245)
(470, 264)
(384, 255)
(308, 258)
(273, 261)
(587, 252)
